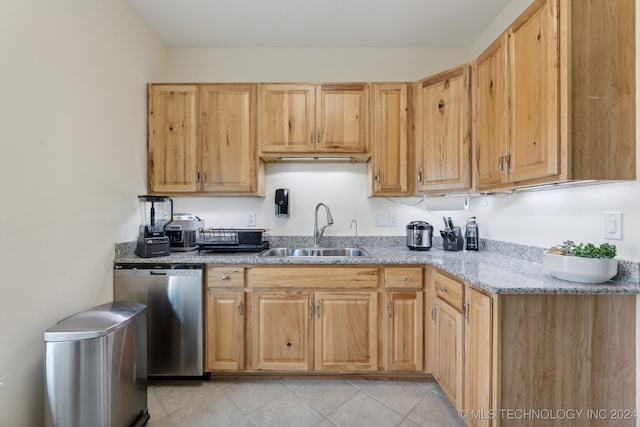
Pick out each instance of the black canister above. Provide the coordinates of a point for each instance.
(419, 235)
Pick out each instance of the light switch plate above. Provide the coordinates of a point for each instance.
(251, 218)
(393, 219)
(613, 225)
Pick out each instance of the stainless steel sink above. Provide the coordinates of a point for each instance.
(315, 252)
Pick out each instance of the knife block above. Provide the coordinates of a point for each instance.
(452, 239)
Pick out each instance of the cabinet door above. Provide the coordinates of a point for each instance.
(449, 330)
(444, 131)
(477, 351)
(229, 156)
(404, 344)
(346, 331)
(173, 138)
(225, 331)
(342, 112)
(286, 117)
(389, 161)
(490, 114)
(283, 330)
(535, 115)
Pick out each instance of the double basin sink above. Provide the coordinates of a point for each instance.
(315, 252)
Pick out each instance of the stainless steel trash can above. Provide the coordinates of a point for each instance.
(96, 368)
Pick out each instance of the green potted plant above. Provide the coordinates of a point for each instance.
(586, 263)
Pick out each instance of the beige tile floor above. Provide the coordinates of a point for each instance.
(299, 403)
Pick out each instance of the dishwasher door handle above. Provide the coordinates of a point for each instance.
(157, 273)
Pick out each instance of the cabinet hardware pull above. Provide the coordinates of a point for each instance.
(433, 313)
(197, 176)
(204, 177)
(507, 160)
(318, 137)
(466, 309)
(225, 277)
(318, 308)
(311, 136)
(500, 168)
(310, 309)
(443, 288)
(404, 278)
(378, 177)
(239, 308)
(420, 176)
(389, 308)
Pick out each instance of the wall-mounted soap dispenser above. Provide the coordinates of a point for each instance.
(282, 202)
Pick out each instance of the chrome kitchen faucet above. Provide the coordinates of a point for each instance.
(317, 233)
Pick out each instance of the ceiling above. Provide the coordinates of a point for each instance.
(326, 23)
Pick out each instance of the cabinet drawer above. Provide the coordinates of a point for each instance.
(225, 277)
(403, 277)
(448, 289)
(313, 277)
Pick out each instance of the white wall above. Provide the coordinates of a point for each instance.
(73, 120)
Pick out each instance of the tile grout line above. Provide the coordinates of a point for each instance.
(306, 401)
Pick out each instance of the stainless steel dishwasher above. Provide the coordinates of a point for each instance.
(174, 298)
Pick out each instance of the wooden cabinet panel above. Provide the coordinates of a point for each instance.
(449, 365)
(172, 138)
(202, 140)
(225, 277)
(443, 141)
(389, 165)
(490, 114)
(403, 277)
(313, 277)
(342, 120)
(287, 118)
(448, 289)
(225, 322)
(229, 154)
(535, 114)
(313, 119)
(283, 330)
(478, 362)
(346, 331)
(404, 326)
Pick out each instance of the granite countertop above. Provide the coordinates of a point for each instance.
(519, 272)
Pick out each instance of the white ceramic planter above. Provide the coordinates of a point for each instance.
(578, 269)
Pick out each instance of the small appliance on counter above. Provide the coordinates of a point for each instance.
(282, 202)
(452, 239)
(155, 213)
(471, 236)
(183, 232)
(228, 240)
(419, 235)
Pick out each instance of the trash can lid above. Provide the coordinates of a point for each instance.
(95, 322)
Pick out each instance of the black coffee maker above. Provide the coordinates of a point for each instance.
(155, 213)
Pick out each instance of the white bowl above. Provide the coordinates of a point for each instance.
(578, 269)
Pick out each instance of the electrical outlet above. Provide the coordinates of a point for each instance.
(380, 219)
(613, 225)
(393, 219)
(251, 218)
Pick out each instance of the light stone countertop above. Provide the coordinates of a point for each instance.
(520, 272)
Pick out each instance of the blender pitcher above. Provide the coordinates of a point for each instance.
(155, 213)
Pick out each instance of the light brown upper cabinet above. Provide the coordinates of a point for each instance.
(389, 166)
(443, 139)
(202, 140)
(554, 96)
(325, 120)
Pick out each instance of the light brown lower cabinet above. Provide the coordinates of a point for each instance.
(283, 330)
(448, 341)
(224, 342)
(478, 364)
(404, 343)
(338, 328)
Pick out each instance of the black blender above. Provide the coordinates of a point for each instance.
(155, 213)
